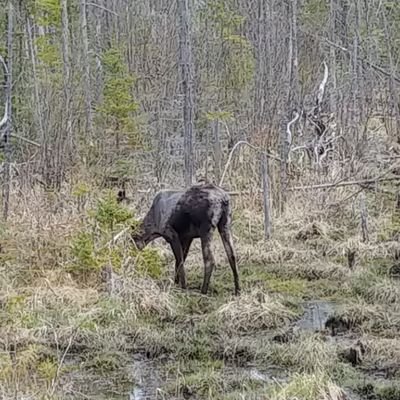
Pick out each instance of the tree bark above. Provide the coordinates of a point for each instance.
(217, 151)
(8, 131)
(65, 135)
(86, 69)
(266, 196)
(187, 87)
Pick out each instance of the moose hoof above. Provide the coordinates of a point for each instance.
(183, 284)
(237, 292)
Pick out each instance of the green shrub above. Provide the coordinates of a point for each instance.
(110, 213)
(83, 252)
(150, 263)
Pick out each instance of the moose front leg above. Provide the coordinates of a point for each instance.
(226, 237)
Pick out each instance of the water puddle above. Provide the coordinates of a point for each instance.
(316, 313)
(147, 373)
(150, 377)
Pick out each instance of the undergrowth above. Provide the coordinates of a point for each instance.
(76, 305)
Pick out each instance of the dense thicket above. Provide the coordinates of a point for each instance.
(102, 84)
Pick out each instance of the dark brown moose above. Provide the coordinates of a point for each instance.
(181, 216)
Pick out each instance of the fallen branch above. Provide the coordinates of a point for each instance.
(372, 65)
(117, 236)
(14, 135)
(103, 8)
(341, 184)
(326, 185)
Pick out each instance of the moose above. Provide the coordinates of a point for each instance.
(181, 216)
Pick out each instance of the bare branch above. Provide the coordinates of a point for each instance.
(349, 183)
(372, 65)
(288, 131)
(297, 148)
(25, 140)
(329, 185)
(242, 142)
(103, 8)
(321, 89)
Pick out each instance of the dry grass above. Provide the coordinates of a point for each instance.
(272, 252)
(374, 288)
(307, 354)
(309, 387)
(45, 310)
(359, 314)
(253, 312)
(148, 298)
(382, 354)
(312, 270)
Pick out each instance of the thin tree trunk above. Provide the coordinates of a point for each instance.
(7, 134)
(65, 133)
(260, 67)
(217, 151)
(394, 97)
(266, 196)
(187, 87)
(364, 218)
(295, 57)
(38, 111)
(332, 59)
(287, 106)
(86, 69)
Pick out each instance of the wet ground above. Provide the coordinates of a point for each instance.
(149, 374)
(316, 313)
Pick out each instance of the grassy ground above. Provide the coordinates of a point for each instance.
(82, 317)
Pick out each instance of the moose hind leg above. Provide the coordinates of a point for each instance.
(208, 258)
(226, 237)
(185, 244)
(179, 262)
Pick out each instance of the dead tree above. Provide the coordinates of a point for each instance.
(8, 112)
(185, 60)
(181, 216)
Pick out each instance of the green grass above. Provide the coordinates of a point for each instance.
(56, 327)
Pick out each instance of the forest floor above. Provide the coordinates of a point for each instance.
(306, 326)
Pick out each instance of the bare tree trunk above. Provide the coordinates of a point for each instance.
(187, 87)
(65, 133)
(260, 67)
(7, 134)
(289, 93)
(364, 218)
(294, 79)
(217, 151)
(355, 84)
(36, 96)
(266, 196)
(332, 59)
(393, 90)
(86, 69)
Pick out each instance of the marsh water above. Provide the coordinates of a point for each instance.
(150, 377)
(315, 315)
